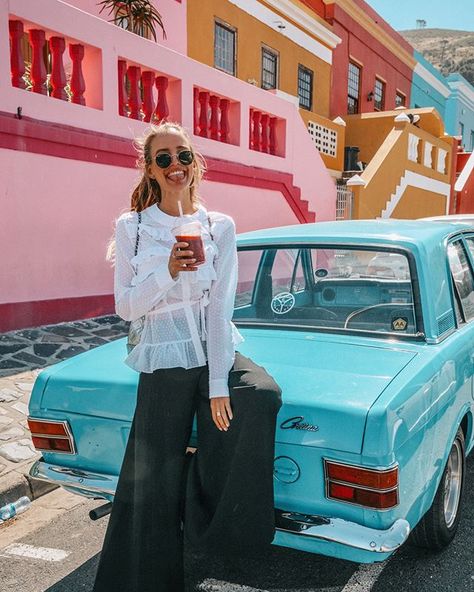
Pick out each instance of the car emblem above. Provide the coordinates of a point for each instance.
(399, 324)
(282, 302)
(296, 423)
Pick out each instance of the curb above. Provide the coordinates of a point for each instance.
(18, 482)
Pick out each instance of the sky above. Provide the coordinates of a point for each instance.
(438, 14)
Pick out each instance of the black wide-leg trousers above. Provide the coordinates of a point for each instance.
(225, 494)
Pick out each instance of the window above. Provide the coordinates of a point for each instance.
(224, 48)
(461, 131)
(353, 88)
(462, 277)
(269, 68)
(472, 140)
(400, 100)
(379, 95)
(305, 87)
(324, 287)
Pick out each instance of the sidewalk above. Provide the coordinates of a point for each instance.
(23, 354)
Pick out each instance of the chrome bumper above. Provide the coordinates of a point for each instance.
(335, 530)
(349, 534)
(76, 480)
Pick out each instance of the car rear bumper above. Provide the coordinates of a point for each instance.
(317, 534)
(78, 481)
(343, 532)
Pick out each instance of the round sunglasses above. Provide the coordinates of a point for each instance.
(164, 159)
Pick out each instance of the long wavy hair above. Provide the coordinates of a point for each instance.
(148, 191)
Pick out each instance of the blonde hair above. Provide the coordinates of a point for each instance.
(148, 191)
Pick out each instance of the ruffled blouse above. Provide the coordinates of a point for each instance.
(187, 319)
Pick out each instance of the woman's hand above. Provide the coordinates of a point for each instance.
(180, 260)
(221, 412)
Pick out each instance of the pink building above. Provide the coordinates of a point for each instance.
(67, 159)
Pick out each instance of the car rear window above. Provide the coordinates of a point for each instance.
(363, 290)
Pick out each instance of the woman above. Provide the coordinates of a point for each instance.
(187, 363)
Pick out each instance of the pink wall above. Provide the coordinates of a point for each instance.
(61, 228)
(173, 13)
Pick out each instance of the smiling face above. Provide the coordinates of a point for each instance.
(176, 177)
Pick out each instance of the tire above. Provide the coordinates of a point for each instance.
(438, 526)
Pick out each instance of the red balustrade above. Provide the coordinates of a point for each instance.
(211, 116)
(262, 132)
(148, 104)
(38, 69)
(122, 89)
(57, 45)
(196, 110)
(162, 109)
(78, 85)
(214, 125)
(224, 105)
(256, 135)
(203, 116)
(273, 122)
(133, 75)
(265, 132)
(17, 62)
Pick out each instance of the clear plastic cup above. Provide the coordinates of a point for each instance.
(190, 232)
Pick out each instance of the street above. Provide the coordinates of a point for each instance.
(54, 547)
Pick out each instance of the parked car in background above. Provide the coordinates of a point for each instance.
(376, 371)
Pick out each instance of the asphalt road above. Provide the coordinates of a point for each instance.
(54, 547)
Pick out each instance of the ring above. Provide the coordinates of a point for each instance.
(218, 413)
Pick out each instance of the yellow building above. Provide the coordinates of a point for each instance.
(279, 45)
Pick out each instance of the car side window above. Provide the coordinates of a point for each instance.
(287, 272)
(462, 277)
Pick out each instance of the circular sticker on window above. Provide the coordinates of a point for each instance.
(321, 272)
(399, 324)
(282, 302)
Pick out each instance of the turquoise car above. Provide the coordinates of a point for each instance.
(368, 327)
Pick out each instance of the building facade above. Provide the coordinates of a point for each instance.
(66, 141)
(429, 86)
(460, 110)
(282, 47)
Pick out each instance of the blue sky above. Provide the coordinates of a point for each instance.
(438, 14)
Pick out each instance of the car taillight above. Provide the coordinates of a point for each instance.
(52, 436)
(372, 488)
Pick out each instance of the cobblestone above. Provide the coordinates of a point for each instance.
(18, 451)
(23, 355)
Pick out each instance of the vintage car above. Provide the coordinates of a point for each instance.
(368, 327)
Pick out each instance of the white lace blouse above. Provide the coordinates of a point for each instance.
(187, 320)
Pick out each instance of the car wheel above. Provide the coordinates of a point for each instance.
(438, 526)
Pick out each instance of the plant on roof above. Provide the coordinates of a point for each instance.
(138, 16)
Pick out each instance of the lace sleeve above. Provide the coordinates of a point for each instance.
(220, 347)
(134, 299)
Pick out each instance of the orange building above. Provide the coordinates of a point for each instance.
(281, 46)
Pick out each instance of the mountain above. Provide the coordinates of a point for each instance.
(447, 49)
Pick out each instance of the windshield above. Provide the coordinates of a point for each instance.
(350, 289)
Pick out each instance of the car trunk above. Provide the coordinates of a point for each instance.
(329, 383)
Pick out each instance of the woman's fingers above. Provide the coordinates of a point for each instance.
(181, 259)
(221, 412)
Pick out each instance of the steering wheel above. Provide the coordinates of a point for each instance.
(372, 306)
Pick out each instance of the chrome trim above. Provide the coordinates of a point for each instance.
(328, 480)
(343, 532)
(77, 479)
(69, 435)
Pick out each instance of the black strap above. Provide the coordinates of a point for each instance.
(210, 232)
(138, 234)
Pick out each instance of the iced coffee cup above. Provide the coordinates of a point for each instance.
(190, 232)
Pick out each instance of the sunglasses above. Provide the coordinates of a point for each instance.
(164, 159)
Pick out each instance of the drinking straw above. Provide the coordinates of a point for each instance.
(180, 208)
